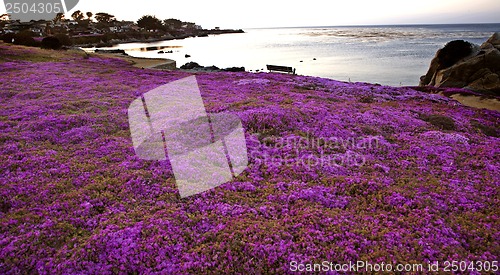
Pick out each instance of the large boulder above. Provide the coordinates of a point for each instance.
(191, 66)
(461, 64)
(493, 41)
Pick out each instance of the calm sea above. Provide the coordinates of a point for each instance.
(390, 55)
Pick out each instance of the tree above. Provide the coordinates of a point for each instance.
(77, 16)
(89, 15)
(172, 24)
(5, 17)
(190, 26)
(104, 18)
(149, 22)
(3, 20)
(59, 17)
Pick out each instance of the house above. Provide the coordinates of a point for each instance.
(14, 26)
(125, 26)
(37, 30)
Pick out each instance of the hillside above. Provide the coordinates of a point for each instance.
(338, 172)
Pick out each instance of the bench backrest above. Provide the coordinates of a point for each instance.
(280, 68)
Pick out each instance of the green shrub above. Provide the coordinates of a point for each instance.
(25, 39)
(367, 99)
(8, 37)
(64, 39)
(440, 121)
(51, 42)
(485, 129)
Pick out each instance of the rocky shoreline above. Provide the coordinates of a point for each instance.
(202, 33)
(195, 67)
(461, 64)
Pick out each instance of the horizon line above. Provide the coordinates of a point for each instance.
(377, 25)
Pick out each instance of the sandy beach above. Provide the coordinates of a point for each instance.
(478, 102)
(145, 63)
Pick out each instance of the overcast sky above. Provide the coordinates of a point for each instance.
(280, 13)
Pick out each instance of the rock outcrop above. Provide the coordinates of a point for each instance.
(461, 64)
(193, 66)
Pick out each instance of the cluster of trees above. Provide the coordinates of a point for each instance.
(150, 22)
(100, 17)
(79, 16)
(103, 19)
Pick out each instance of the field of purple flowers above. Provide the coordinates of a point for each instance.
(338, 172)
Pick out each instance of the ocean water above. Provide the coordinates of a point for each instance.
(388, 55)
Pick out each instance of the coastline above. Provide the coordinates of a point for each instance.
(329, 57)
(168, 37)
(464, 98)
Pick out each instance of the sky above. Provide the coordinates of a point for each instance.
(280, 13)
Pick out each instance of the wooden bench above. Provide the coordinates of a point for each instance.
(284, 69)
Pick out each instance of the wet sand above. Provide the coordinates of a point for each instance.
(145, 63)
